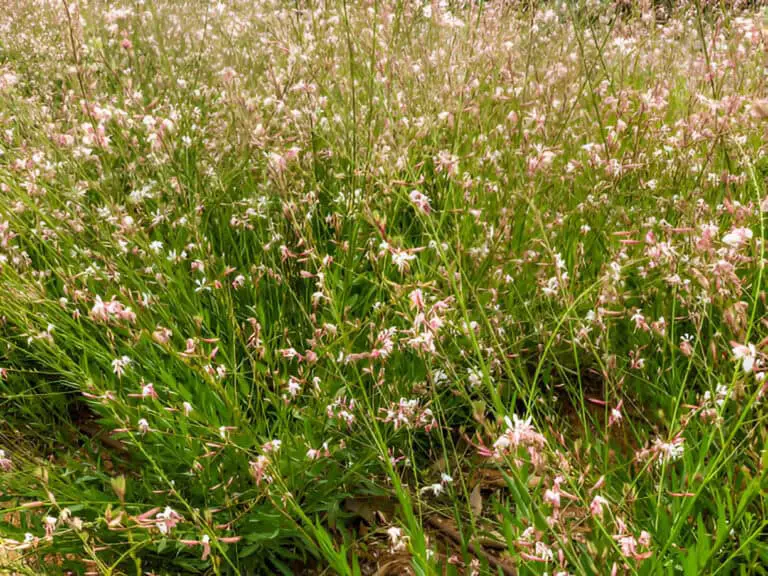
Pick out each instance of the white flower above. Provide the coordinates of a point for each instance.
(272, 446)
(747, 354)
(475, 377)
(401, 258)
(721, 395)
(238, 282)
(99, 310)
(396, 538)
(669, 451)
(436, 489)
(551, 287)
(120, 364)
(294, 387)
(737, 237)
(202, 285)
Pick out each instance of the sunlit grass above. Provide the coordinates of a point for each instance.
(382, 288)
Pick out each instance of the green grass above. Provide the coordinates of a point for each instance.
(382, 288)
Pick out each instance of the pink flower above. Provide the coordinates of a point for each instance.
(409, 414)
(315, 454)
(167, 520)
(104, 311)
(685, 347)
(668, 451)
(5, 463)
(271, 446)
(147, 391)
(628, 546)
(616, 416)
(417, 299)
(50, 526)
(162, 335)
(596, 506)
(421, 201)
(446, 162)
(518, 433)
(290, 353)
(205, 542)
(552, 496)
(99, 310)
(259, 470)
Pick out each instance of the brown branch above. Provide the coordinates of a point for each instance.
(453, 534)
